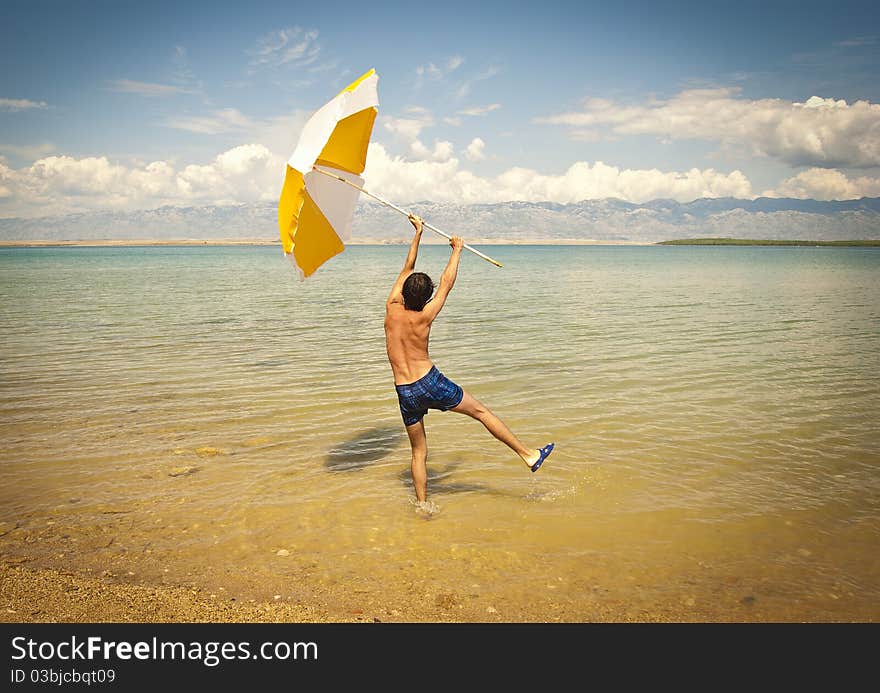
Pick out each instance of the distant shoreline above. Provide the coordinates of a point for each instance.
(747, 241)
(195, 242)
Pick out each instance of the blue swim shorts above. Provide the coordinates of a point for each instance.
(432, 391)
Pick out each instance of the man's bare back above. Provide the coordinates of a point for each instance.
(406, 339)
(410, 310)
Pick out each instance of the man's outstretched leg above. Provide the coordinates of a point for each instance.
(471, 406)
(419, 444)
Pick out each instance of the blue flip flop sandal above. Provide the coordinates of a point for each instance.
(545, 453)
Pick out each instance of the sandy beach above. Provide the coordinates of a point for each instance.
(52, 596)
(58, 596)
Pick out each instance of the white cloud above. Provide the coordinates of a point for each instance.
(292, 45)
(436, 72)
(418, 112)
(243, 174)
(180, 60)
(15, 105)
(461, 85)
(857, 42)
(431, 70)
(820, 132)
(253, 173)
(325, 67)
(146, 88)
(29, 152)
(443, 150)
(444, 180)
(223, 120)
(455, 62)
(484, 74)
(64, 184)
(407, 128)
(479, 110)
(475, 150)
(826, 184)
(279, 133)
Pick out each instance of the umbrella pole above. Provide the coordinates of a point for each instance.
(404, 212)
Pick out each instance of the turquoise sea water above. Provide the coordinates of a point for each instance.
(199, 416)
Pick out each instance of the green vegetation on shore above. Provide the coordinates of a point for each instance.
(747, 241)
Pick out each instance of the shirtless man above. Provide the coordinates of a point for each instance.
(409, 312)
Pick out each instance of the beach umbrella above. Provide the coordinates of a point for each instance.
(316, 210)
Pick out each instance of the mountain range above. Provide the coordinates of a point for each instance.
(608, 220)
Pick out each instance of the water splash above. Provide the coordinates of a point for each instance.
(426, 508)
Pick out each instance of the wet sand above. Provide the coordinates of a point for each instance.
(60, 571)
(47, 595)
(52, 573)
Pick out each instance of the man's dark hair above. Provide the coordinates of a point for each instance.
(417, 289)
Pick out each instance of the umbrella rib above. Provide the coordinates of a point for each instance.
(404, 212)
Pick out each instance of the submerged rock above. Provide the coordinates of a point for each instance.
(183, 471)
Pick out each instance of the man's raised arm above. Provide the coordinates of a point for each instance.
(410, 264)
(413, 253)
(447, 279)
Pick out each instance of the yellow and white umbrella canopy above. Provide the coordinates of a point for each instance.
(315, 211)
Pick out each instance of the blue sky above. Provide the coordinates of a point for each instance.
(129, 105)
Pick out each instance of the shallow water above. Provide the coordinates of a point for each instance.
(198, 416)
